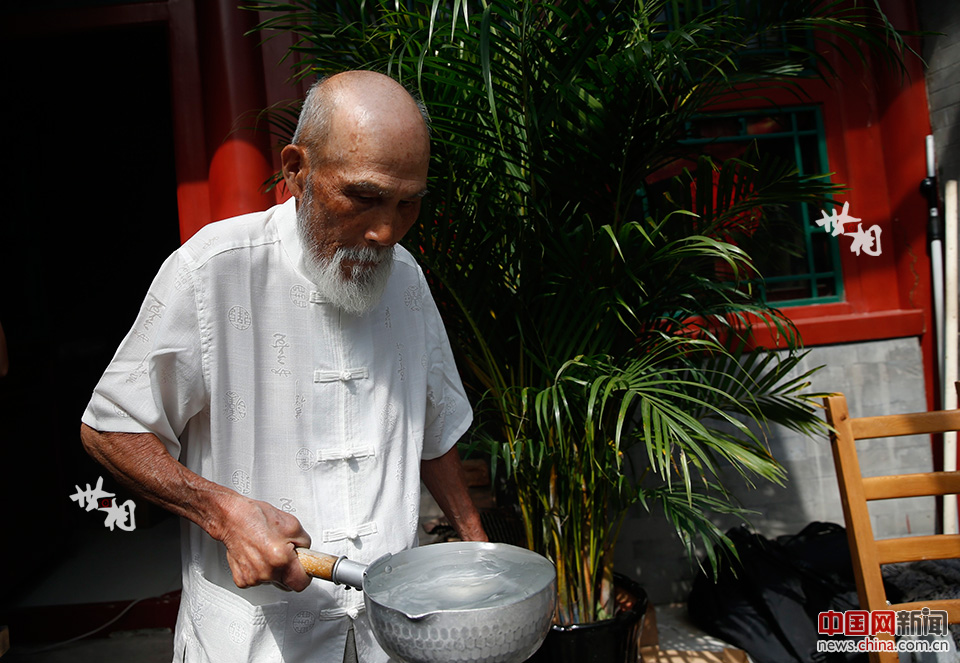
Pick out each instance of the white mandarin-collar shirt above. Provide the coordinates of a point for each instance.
(255, 382)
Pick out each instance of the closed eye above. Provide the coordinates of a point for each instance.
(366, 193)
(416, 198)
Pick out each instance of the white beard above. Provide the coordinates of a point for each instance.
(355, 295)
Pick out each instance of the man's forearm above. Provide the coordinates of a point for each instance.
(444, 478)
(142, 463)
(260, 539)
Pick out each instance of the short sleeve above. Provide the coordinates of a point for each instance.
(155, 382)
(448, 412)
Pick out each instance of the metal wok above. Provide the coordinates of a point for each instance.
(451, 602)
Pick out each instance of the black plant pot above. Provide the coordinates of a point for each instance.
(610, 641)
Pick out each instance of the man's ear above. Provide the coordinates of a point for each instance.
(293, 163)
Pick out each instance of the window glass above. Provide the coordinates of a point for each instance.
(803, 264)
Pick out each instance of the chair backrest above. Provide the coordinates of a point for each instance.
(869, 553)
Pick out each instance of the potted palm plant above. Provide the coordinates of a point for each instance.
(601, 310)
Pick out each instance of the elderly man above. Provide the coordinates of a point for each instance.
(288, 382)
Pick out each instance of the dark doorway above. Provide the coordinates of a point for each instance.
(90, 214)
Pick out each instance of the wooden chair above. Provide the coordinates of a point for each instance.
(867, 552)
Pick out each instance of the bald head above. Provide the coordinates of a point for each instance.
(358, 102)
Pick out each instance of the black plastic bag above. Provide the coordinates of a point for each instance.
(768, 604)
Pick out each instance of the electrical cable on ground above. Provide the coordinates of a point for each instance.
(56, 645)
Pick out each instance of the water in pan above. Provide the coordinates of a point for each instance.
(458, 580)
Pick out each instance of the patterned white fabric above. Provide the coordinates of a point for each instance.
(254, 382)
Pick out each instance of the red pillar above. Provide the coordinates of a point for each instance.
(233, 93)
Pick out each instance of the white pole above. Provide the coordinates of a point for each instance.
(951, 336)
(936, 253)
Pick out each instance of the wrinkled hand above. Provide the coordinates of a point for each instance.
(261, 543)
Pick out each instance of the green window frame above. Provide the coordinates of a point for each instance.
(813, 275)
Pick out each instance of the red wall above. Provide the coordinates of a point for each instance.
(876, 121)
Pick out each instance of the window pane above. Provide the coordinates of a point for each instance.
(799, 263)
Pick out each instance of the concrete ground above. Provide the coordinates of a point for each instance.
(146, 646)
(156, 645)
(98, 568)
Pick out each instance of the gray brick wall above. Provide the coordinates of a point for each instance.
(877, 377)
(942, 54)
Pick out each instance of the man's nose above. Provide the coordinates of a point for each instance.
(384, 229)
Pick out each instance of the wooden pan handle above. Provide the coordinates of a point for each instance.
(317, 564)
